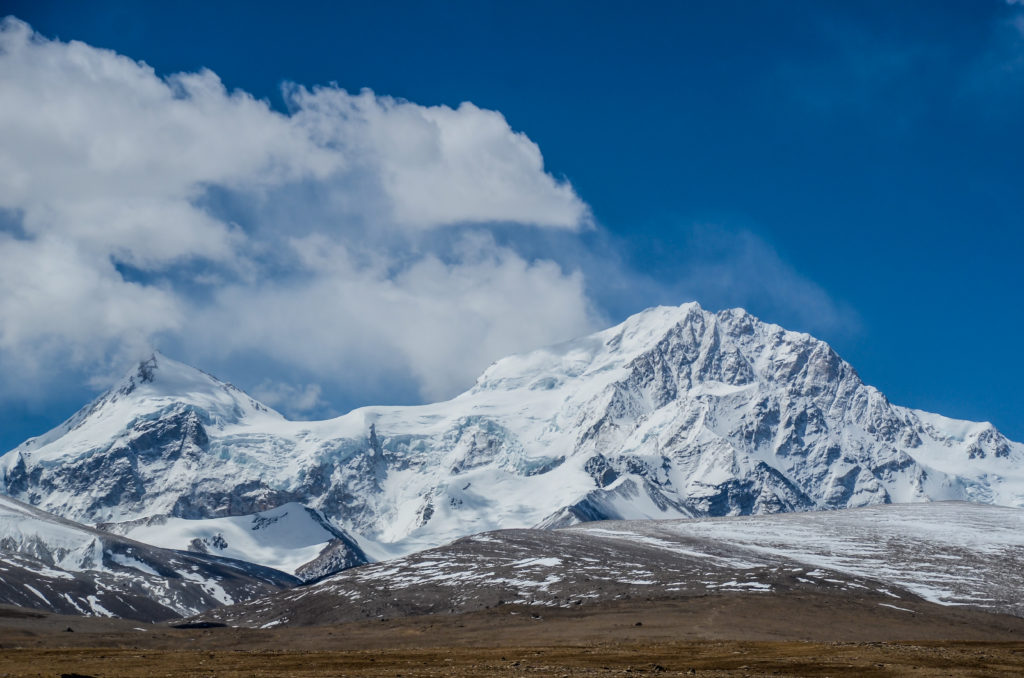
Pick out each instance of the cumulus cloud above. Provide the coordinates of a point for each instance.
(99, 150)
(139, 208)
(354, 249)
(442, 322)
(438, 165)
(58, 304)
(293, 400)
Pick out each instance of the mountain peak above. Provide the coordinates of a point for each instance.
(159, 374)
(613, 349)
(147, 368)
(151, 388)
(158, 382)
(597, 352)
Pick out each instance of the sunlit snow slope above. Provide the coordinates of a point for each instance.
(291, 538)
(677, 412)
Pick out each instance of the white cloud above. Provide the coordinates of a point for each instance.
(59, 306)
(329, 245)
(95, 147)
(440, 322)
(293, 400)
(170, 208)
(440, 165)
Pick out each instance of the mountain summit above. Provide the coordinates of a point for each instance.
(157, 388)
(676, 412)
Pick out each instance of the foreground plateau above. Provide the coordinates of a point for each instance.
(725, 634)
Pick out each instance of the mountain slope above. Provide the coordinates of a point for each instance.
(291, 538)
(897, 556)
(677, 412)
(52, 564)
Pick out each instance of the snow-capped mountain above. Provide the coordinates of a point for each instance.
(676, 412)
(53, 564)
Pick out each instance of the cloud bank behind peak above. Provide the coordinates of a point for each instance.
(353, 248)
(142, 209)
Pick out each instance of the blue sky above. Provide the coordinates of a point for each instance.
(848, 169)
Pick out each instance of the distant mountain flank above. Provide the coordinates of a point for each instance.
(53, 564)
(677, 412)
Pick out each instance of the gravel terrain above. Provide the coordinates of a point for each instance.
(726, 634)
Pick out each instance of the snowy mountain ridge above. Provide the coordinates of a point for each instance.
(677, 412)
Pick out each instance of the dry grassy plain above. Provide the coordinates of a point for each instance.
(722, 635)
